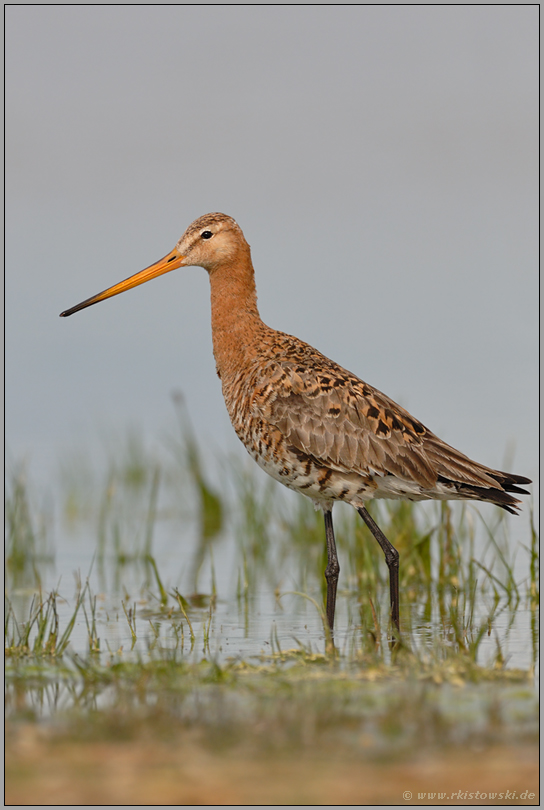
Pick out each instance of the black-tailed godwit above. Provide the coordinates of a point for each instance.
(308, 422)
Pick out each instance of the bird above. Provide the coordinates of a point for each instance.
(307, 421)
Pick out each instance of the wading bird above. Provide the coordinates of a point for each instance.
(308, 422)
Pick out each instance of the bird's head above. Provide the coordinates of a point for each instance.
(209, 242)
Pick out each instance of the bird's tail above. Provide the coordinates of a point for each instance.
(507, 483)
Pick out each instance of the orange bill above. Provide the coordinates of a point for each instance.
(169, 262)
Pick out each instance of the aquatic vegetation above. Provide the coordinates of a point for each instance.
(228, 650)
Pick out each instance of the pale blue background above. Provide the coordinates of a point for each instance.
(381, 160)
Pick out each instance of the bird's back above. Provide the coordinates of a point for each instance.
(321, 430)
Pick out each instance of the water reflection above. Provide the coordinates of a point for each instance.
(149, 555)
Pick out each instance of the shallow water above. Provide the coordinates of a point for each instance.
(279, 611)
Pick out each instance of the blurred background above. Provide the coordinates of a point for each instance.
(381, 160)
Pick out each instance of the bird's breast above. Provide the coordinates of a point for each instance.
(268, 446)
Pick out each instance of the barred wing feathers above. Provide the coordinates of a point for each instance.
(344, 424)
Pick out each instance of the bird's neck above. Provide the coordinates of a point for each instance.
(236, 322)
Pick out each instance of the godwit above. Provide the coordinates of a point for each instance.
(308, 422)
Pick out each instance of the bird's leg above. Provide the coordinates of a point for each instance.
(392, 560)
(332, 570)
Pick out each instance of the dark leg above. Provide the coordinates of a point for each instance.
(392, 560)
(332, 570)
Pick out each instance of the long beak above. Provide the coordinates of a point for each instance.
(169, 262)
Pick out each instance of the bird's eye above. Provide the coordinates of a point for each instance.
(206, 234)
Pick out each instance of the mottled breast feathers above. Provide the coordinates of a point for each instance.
(339, 421)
